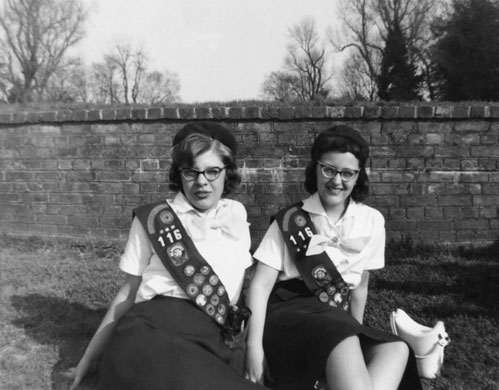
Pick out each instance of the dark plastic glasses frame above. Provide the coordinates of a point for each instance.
(211, 174)
(330, 172)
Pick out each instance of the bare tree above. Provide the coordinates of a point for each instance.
(279, 86)
(122, 58)
(368, 23)
(68, 84)
(131, 66)
(354, 81)
(159, 88)
(104, 83)
(139, 66)
(362, 35)
(305, 73)
(4, 84)
(123, 77)
(36, 36)
(413, 18)
(306, 61)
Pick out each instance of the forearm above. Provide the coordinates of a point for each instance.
(357, 308)
(358, 298)
(120, 305)
(258, 295)
(257, 302)
(106, 327)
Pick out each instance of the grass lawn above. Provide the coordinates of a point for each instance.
(54, 293)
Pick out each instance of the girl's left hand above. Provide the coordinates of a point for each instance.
(256, 365)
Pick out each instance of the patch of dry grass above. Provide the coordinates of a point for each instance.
(53, 295)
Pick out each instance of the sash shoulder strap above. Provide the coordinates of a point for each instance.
(183, 261)
(317, 271)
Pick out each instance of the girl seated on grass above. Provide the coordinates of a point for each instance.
(308, 326)
(175, 322)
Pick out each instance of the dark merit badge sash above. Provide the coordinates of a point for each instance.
(181, 258)
(318, 271)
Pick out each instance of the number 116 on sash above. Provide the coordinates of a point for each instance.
(302, 236)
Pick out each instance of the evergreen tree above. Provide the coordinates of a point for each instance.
(466, 56)
(397, 79)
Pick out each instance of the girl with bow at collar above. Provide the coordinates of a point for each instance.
(171, 325)
(310, 287)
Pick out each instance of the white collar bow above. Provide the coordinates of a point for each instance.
(349, 247)
(230, 224)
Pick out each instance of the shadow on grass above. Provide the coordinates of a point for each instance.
(459, 286)
(474, 284)
(55, 321)
(469, 276)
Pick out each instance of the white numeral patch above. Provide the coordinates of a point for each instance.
(302, 235)
(172, 236)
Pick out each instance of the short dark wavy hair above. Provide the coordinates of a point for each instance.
(185, 152)
(328, 141)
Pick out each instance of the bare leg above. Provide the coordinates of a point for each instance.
(346, 368)
(386, 363)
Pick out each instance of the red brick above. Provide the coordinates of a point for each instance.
(472, 126)
(425, 112)
(479, 112)
(460, 112)
(453, 179)
(485, 151)
(187, 113)
(353, 112)
(286, 113)
(171, 113)
(443, 112)
(336, 112)
(390, 112)
(301, 112)
(154, 113)
(235, 112)
(319, 111)
(252, 112)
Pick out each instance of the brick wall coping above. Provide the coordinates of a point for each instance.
(425, 112)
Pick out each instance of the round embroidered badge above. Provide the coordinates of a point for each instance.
(207, 289)
(338, 298)
(300, 220)
(222, 309)
(215, 299)
(331, 290)
(166, 217)
(192, 289)
(189, 270)
(320, 275)
(323, 297)
(205, 270)
(219, 318)
(210, 309)
(199, 279)
(177, 254)
(221, 290)
(201, 300)
(213, 280)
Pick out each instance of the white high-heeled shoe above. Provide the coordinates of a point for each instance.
(427, 343)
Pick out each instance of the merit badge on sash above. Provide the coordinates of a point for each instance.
(321, 276)
(177, 254)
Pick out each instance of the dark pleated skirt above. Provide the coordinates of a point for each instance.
(300, 333)
(168, 344)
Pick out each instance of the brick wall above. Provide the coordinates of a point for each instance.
(434, 170)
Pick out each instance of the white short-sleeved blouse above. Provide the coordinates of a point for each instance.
(356, 241)
(221, 236)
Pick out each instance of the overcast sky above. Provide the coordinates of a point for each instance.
(221, 49)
